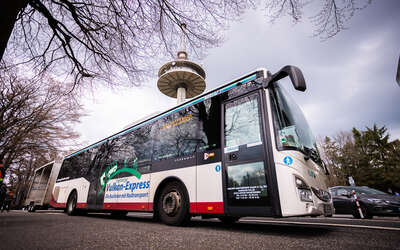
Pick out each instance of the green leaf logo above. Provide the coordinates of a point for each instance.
(113, 170)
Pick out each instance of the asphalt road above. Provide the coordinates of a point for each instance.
(55, 230)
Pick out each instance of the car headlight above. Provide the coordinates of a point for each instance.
(378, 201)
(304, 191)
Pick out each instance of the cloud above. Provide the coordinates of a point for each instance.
(350, 77)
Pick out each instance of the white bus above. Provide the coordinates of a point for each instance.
(243, 149)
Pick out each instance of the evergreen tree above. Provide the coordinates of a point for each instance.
(366, 155)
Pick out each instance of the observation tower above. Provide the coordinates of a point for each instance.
(181, 78)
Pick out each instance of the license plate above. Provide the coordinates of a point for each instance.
(327, 209)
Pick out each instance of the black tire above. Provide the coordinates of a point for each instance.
(228, 219)
(173, 205)
(366, 214)
(31, 208)
(71, 204)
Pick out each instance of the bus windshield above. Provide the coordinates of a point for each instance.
(291, 128)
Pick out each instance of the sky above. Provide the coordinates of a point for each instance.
(350, 77)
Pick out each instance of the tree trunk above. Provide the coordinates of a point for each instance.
(8, 15)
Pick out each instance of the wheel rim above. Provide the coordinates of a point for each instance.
(171, 203)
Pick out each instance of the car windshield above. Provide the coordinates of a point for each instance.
(366, 190)
(291, 127)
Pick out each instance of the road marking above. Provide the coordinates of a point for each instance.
(354, 219)
(133, 214)
(321, 224)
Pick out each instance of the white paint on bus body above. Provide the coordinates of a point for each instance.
(127, 190)
(209, 183)
(290, 202)
(81, 185)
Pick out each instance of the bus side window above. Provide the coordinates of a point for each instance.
(76, 166)
(65, 168)
(130, 150)
(209, 117)
(143, 143)
(176, 135)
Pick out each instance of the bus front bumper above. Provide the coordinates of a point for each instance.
(325, 209)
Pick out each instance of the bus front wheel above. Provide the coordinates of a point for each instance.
(173, 205)
(71, 204)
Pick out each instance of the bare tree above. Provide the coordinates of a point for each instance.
(34, 116)
(110, 39)
(119, 41)
(328, 22)
(331, 151)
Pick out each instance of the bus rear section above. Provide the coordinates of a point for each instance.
(217, 155)
(41, 187)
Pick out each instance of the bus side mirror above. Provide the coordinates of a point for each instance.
(295, 74)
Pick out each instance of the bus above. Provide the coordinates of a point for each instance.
(242, 149)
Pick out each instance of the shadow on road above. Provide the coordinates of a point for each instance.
(244, 227)
(265, 228)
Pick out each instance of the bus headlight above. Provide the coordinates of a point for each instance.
(305, 193)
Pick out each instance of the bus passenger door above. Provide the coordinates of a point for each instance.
(244, 161)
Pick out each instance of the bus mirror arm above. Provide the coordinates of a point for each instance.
(295, 74)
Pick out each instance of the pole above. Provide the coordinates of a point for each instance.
(398, 72)
(181, 95)
(358, 205)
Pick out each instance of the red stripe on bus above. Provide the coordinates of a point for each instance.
(207, 207)
(195, 207)
(81, 205)
(55, 204)
(132, 206)
(58, 205)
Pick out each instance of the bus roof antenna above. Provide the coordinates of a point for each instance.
(181, 78)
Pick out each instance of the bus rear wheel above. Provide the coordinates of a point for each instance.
(173, 205)
(31, 208)
(71, 204)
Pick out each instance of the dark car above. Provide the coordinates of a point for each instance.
(372, 202)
